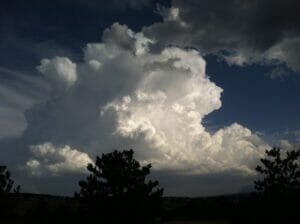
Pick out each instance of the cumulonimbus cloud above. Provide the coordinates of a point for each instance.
(124, 96)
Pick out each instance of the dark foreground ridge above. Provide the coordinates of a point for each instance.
(240, 208)
(117, 191)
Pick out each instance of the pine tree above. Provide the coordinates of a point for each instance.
(117, 184)
(6, 183)
(280, 175)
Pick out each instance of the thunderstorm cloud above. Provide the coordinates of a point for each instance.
(124, 95)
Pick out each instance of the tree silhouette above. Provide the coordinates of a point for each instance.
(117, 185)
(6, 183)
(7, 203)
(280, 174)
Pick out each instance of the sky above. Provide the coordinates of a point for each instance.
(199, 89)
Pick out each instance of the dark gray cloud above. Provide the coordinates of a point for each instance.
(113, 5)
(18, 92)
(134, 4)
(241, 31)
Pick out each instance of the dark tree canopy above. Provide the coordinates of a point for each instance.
(117, 184)
(6, 183)
(280, 174)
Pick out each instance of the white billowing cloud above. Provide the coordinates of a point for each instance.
(178, 141)
(127, 96)
(59, 69)
(56, 160)
(285, 145)
(34, 167)
(118, 39)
